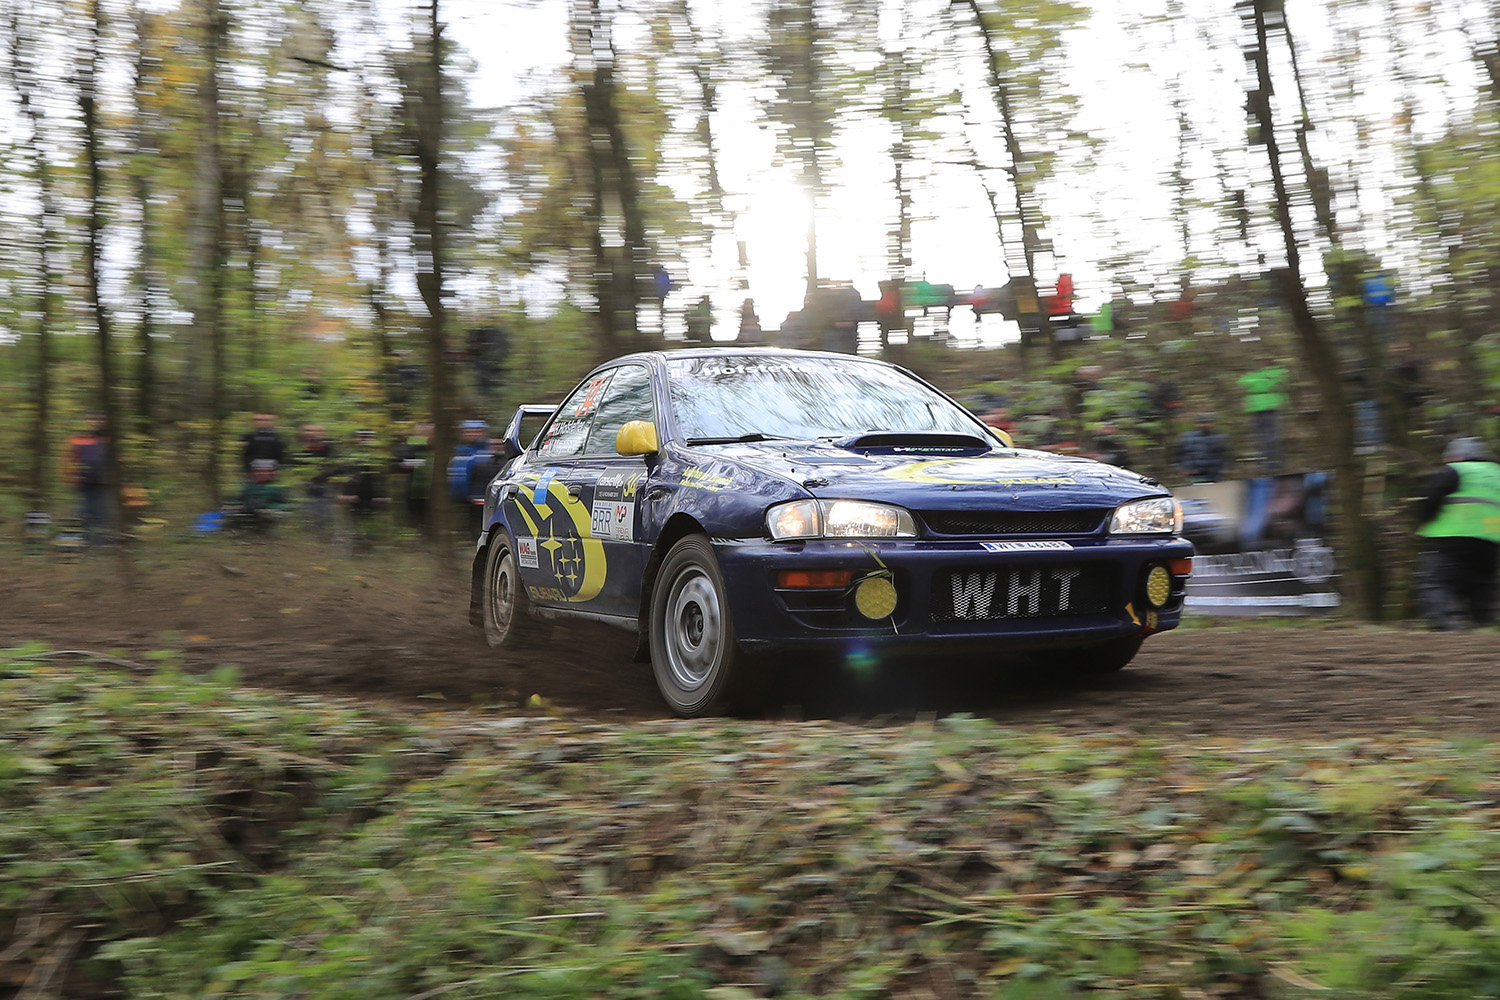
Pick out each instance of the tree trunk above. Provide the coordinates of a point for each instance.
(92, 258)
(145, 374)
(1030, 315)
(1357, 539)
(20, 69)
(208, 348)
(430, 273)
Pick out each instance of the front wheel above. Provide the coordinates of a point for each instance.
(698, 666)
(505, 607)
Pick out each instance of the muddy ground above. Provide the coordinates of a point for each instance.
(392, 627)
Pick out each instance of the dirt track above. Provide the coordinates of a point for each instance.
(393, 628)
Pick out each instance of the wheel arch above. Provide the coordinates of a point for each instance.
(678, 527)
(476, 574)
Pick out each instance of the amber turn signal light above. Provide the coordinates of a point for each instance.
(813, 579)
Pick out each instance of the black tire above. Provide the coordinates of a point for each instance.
(504, 606)
(1103, 658)
(694, 654)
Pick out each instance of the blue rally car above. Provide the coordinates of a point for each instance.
(729, 506)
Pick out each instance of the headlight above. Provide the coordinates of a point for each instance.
(1157, 516)
(838, 519)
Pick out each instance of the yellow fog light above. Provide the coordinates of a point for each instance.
(875, 597)
(1158, 586)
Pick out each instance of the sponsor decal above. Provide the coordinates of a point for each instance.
(564, 547)
(526, 552)
(589, 399)
(703, 479)
(972, 472)
(1041, 545)
(765, 366)
(618, 485)
(565, 437)
(539, 495)
(613, 519)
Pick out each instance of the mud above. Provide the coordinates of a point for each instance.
(392, 628)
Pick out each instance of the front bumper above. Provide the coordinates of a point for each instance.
(952, 594)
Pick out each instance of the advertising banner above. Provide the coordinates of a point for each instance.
(1261, 546)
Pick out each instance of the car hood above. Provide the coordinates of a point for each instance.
(922, 480)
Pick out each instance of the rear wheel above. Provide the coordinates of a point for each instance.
(698, 666)
(507, 619)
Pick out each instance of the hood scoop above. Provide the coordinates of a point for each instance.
(914, 442)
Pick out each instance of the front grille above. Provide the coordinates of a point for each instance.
(1034, 591)
(992, 523)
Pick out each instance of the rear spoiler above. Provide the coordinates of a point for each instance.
(512, 439)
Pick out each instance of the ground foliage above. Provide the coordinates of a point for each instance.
(171, 835)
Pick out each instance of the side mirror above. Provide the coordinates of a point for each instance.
(1004, 437)
(637, 437)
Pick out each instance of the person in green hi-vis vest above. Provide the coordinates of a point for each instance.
(1264, 401)
(1459, 527)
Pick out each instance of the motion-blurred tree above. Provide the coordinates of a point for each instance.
(425, 124)
(1022, 47)
(808, 54)
(93, 146)
(23, 72)
(1264, 18)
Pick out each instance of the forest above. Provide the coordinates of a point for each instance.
(345, 213)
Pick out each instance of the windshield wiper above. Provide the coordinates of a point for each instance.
(740, 439)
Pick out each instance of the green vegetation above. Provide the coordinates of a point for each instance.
(168, 835)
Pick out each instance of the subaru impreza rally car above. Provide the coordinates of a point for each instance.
(732, 506)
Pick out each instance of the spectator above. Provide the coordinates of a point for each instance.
(262, 499)
(700, 321)
(750, 332)
(1264, 401)
(483, 467)
(411, 466)
(1411, 389)
(1110, 446)
(264, 442)
(1458, 517)
(1202, 452)
(363, 490)
(86, 470)
(314, 461)
(999, 418)
(472, 441)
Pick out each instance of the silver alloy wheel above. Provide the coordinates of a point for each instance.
(500, 594)
(694, 633)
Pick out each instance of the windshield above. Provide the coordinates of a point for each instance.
(762, 397)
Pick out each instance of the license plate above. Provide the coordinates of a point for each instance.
(1019, 592)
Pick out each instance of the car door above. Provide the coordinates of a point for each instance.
(559, 560)
(575, 515)
(610, 485)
